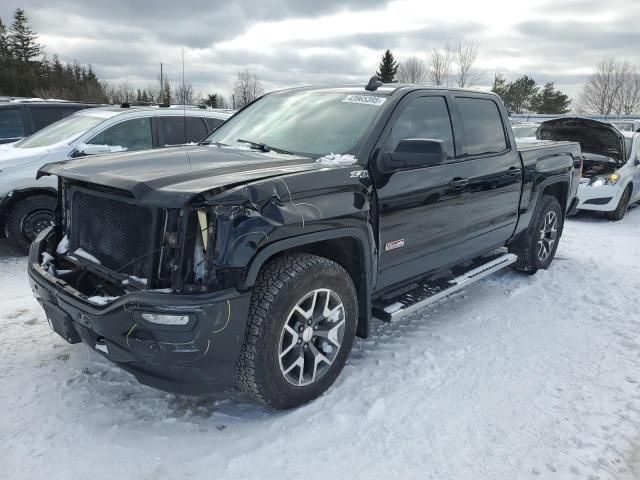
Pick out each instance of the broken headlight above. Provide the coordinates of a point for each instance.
(602, 180)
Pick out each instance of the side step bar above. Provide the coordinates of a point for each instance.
(425, 293)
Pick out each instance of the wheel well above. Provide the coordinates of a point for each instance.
(14, 197)
(558, 190)
(346, 252)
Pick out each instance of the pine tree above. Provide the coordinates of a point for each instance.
(551, 101)
(387, 68)
(5, 50)
(166, 93)
(22, 40)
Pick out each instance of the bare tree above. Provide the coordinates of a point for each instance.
(184, 94)
(439, 68)
(466, 54)
(628, 101)
(602, 91)
(246, 89)
(412, 70)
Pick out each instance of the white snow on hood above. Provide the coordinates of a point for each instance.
(337, 159)
(10, 156)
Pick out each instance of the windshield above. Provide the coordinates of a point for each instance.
(310, 124)
(68, 128)
(623, 126)
(522, 131)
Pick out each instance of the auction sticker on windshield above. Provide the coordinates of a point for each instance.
(365, 99)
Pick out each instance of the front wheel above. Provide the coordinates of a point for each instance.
(302, 323)
(537, 246)
(28, 218)
(623, 204)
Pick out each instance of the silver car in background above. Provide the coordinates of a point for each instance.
(27, 203)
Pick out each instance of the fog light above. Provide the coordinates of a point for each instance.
(164, 319)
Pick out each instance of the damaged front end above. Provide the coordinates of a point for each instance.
(140, 291)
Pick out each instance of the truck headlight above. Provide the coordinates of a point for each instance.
(164, 319)
(601, 180)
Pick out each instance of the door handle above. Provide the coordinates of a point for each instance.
(458, 183)
(514, 171)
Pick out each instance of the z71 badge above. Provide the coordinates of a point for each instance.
(394, 244)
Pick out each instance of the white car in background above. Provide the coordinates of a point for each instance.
(627, 125)
(524, 131)
(27, 203)
(611, 163)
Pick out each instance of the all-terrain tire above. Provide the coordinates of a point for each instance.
(27, 218)
(281, 284)
(528, 248)
(623, 204)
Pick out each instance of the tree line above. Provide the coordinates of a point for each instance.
(447, 66)
(26, 71)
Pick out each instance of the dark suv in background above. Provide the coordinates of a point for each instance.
(20, 118)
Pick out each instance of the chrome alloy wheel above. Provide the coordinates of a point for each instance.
(548, 235)
(311, 337)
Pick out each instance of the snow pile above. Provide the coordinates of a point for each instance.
(63, 246)
(515, 377)
(101, 300)
(337, 159)
(96, 148)
(86, 255)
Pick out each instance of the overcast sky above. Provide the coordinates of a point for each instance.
(295, 42)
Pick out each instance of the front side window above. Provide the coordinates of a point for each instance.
(483, 129)
(129, 135)
(312, 124)
(11, 125)
(65, 130)
(181, 130)
(426, 118)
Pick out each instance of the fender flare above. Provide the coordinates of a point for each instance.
(366, 251)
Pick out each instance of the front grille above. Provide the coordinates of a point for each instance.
(117, 233)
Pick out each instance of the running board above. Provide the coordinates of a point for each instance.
(425, 293)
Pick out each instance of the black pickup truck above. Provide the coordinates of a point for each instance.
(255, 258)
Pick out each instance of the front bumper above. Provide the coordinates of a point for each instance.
(604, 198)
(199, 357)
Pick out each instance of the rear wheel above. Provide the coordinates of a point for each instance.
(28, 218)
(623, 204)
(537, 246)
(302, 322)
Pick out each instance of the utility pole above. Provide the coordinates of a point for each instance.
(161, 96)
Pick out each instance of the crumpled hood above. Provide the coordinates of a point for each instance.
(183, 171)
(594, 137)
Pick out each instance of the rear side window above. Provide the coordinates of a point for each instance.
(423, 117)
(483, 130)
(43, 116)
(173, 129)
(11, 125)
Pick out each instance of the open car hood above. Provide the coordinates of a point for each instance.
(595, 137)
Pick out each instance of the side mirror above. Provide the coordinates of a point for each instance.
(89, 149)
(413, 153)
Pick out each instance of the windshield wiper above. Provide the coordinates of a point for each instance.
(217, 144)
(263, 147)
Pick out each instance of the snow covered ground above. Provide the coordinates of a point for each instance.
(516, 377)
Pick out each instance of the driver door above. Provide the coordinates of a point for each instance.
(423, 214)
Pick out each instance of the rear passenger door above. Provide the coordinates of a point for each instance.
(492, 169)
(180, 130)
